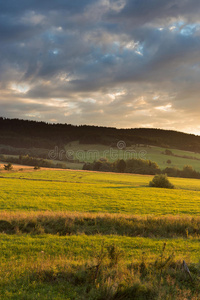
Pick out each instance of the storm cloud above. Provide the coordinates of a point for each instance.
(123, 63)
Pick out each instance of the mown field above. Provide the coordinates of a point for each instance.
(86, 235)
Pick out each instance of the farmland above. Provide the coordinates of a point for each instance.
(96, 192)
(74, 155)
(55, 225)
(91, 152)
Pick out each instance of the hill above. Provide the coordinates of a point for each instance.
(27, 134)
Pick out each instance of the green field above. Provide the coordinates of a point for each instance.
(82, 153)
(57, 226)
(96, 192)
(91, 152)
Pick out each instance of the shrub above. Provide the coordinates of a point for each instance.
(161, 181)
(8, 167)
(106, 167)
(87, 166)
(97, 165)
(36, 168)
(168, 152)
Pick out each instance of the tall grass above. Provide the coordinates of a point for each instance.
(104, 276)
(66, 223)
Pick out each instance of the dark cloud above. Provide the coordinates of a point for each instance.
(13, 7)
(142, 11)
(115, 63)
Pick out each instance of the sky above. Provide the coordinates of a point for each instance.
(117, 63)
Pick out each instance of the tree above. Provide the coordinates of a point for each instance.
(188, 171)
(121, 166)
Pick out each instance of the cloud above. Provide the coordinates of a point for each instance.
(140, 12)
(113, 63)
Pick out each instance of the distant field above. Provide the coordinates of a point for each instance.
(55, 229)
(67, 165)
(91, 152)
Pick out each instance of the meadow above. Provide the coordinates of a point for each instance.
(89, 235)
(96, 192)
(82, 153)
(91, 152)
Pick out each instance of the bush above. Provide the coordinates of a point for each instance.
(161, 181)
(36, 168)
(97, 165)
(87, 166)
(106, 167)
(8, 167)
(168, 152)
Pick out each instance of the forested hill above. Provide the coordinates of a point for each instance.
(26, 134)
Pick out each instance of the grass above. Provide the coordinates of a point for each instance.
(65, 223)
(52, 267)
(82, 247)
(156, 154)
(91, 235)
(96, 192)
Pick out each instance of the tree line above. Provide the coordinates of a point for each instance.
(27, 134)
(140, 166)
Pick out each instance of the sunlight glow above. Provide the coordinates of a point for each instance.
(164, 108)
(113, 96)
(22, 88)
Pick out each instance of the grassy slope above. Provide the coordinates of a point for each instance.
(88, 153)
(91, 152)
(155, 154)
